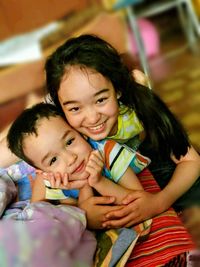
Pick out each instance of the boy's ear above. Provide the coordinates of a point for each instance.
(118, 95)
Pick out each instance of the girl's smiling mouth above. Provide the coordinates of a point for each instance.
(97, 129)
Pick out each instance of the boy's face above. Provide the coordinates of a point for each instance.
(58, 148)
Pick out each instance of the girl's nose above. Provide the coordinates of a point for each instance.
(92, 116)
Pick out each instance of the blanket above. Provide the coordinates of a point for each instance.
(44, 235)
(167, 239)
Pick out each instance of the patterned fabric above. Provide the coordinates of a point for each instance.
(54, 194)
(8, 191)
(41, 234)
(23, 175)
(118, 158)
(114, 247)
(165, 245)
(178, 261)
(18, 170)
(128, 125)
(167, 239)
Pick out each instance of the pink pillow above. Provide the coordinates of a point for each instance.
(149, 36)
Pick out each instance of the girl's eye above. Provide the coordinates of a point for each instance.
(52, 161)
(101, 100)
(69, 142)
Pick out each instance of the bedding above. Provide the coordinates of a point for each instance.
(43, 235)
(8, 190)
(30, 225)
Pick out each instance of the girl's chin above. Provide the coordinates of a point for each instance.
(97, 136)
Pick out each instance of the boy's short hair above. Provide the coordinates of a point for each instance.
(26, 124)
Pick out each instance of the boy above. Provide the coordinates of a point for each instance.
(41, 137)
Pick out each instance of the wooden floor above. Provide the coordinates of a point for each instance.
(176, 79)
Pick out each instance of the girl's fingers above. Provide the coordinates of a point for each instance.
(124, 211)
(125, 221)
(104, 201)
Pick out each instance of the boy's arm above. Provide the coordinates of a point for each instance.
(107, 187)
(7, 158)
(130, 181)
(85, 193)
(38, 190)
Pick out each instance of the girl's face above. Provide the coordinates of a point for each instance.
(89, 102)
(58, 148)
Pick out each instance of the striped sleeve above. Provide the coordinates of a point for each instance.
(119, 157)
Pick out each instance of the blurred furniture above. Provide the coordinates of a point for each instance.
(134, 10)
(80, 16)
(21, 16)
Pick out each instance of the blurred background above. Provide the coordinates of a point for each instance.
(167, 30)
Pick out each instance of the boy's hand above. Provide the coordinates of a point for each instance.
(94, 167)
(62, 181)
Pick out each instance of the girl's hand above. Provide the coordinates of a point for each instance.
(140, 77)
(139, 206)
(94, 167)
(96, 208)
(62, 181)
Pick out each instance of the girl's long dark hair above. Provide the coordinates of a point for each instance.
(164, 133)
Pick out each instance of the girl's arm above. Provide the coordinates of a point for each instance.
(186, 173)
(141, 205)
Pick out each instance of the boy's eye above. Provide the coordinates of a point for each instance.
(52, 161)
(101, 100)
(74, 109)
(69, 142)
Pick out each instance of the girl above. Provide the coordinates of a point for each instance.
(88, 81)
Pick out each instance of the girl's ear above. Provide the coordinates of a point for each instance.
(119, 95)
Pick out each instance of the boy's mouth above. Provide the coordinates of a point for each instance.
(79, 168)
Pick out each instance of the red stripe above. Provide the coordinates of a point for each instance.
(167, 239)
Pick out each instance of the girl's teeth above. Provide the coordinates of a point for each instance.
(97, 127)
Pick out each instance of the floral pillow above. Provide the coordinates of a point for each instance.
(15, 180)
(8, 190)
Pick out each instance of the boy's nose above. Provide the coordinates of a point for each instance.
(70, 158)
